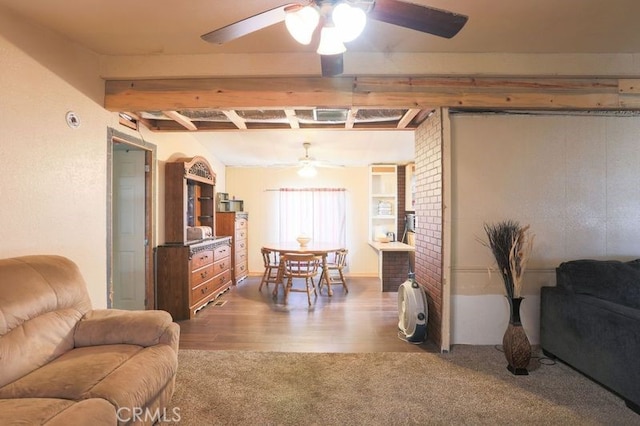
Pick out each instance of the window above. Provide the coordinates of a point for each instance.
(319, 213)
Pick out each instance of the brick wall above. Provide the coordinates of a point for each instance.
(429, 219)
(395, 269)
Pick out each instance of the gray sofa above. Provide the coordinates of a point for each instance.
(591, 321)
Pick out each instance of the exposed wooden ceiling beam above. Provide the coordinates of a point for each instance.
(407, 117)
(293, 120)
(373, 92)
(184, 121)
(235, 119)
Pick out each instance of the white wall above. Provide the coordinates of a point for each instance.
(574, 179)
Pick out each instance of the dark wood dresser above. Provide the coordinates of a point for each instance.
(190, 276)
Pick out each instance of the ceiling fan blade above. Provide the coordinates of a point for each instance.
(425, 19)
(246, 26)
(332, 65)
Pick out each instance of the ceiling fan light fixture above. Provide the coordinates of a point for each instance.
(307, 171)
(301, 23)
(330, 42)
(349, 20)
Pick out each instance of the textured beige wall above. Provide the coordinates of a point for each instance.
(574, 179)
(53, 181)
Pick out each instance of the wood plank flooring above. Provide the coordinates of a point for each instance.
(363, 320)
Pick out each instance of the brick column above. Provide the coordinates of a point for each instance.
(429, 216)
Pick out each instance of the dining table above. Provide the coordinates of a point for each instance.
(321, 249)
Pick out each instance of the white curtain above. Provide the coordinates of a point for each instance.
(320, 213)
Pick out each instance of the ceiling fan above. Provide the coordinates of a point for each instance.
(336, 22)
(307, 164)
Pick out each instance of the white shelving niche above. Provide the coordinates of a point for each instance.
(383, 200)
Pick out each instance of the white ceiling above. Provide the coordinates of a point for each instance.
(161, 27)
(284, 147)
(153, 27)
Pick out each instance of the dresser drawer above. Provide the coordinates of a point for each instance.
(201, 275)
(241, 244)
(221, 252)
(200, 259)
(203, 290)
(241, 270)
(241, 223)
(241, 256)
(221, 280)
(221, 265)
(241, 234)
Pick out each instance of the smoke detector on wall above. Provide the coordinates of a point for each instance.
(73, 120)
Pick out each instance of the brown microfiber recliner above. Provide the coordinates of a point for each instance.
(62, 362)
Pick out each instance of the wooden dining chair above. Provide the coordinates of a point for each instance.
(271, 261)
(335, 267)
(300, 266)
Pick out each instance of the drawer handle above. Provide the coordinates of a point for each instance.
(203, 274)
(222, 266)
(203, 290)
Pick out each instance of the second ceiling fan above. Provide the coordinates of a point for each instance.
(336, 22)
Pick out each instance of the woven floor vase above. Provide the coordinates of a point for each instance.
(516, 345)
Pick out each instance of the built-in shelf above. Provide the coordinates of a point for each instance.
(383, 200)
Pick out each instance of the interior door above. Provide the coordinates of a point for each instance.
(129, 228)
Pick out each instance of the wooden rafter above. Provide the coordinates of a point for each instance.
(235, 119)
(183, 120)
(293, 120)
(351, 118)
(407, 117)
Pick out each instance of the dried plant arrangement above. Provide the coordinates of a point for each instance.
(511, 245)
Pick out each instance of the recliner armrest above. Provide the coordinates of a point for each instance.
(116, 326)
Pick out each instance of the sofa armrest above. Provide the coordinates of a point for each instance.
(115, 326)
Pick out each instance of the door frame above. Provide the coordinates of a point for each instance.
(117, 137)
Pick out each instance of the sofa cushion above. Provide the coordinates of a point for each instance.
(41, 300)
(125, 375)
(612, 280)
(56, 412)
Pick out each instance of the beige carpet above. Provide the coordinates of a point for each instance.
(469, 385)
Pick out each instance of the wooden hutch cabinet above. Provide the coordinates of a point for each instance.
(191, 271)
(236, 225)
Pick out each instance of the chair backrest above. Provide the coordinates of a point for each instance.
(341, 258)
(42, 298)
(301, 264)
(269, 257)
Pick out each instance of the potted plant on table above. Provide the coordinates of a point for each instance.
(511, 245)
